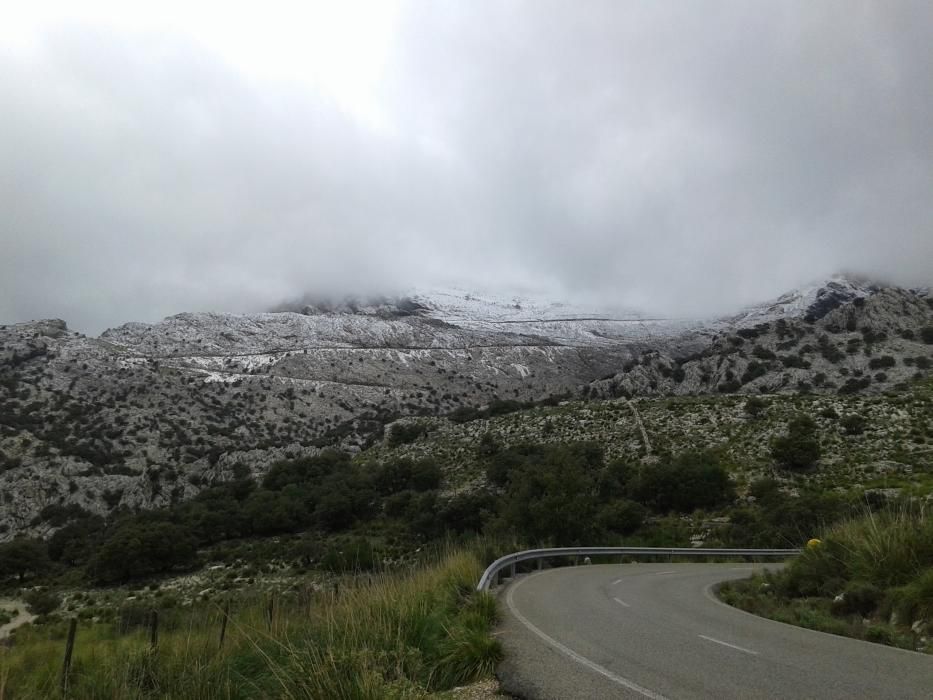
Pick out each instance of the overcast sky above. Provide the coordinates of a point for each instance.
(682, 157)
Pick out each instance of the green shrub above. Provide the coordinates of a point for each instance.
(880, 635)
(854, 386)
(914, 601)
(689, 481)
(859, 597)
(853, 424)
(881, 362)
(42, 602)
(623, 516)
(404, 433)
(799, 448)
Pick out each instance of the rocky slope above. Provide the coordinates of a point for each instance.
(148, 414)
(889, 452)
(845, 338)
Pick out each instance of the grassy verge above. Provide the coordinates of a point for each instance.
(870, 578)
(401, 635)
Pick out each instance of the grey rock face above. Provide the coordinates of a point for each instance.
(848, 339)
(149, 414)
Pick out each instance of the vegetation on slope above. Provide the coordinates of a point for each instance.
(870, 577)
(401, 635)
(766, 471)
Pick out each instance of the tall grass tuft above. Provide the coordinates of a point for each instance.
(886, 548)
(877, 567)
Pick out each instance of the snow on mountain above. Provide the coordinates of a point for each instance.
(814, 300)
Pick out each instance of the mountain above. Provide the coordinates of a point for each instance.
(149, 414)
(839, 337)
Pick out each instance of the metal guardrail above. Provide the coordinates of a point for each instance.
(490, 577)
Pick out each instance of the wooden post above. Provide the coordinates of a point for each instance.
(154, 630)
(69, 648)
(223, 624)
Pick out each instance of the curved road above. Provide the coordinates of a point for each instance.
(657, 631)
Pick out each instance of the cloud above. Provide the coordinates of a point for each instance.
(684, 158)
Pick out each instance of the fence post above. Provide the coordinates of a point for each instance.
(223, 624)
(69, 648)
(154, 630)
(271, 611)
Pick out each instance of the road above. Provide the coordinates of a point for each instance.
(657, 631)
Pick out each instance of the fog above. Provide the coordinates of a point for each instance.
(684, 158)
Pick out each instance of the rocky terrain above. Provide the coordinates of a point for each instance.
(850, 339)
(148, 414)
(890, 452)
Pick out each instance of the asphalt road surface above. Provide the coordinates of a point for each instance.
(657, 631)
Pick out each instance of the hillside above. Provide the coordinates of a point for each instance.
(888, 451)
(148, 415)
(849, 340)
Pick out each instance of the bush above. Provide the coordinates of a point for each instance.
(763, 353)
(728, 387)
(914, 601)
(853, 424)
(139, 548)
(858, 597)
(755, 406)
(880, 635)
(799, 448)
(881, 362)
(42, 602)
(23, 556)
(623, 517)
(691, 480)
(926, 334)
(854, 386)
(754, 371)
(794, 361)
(404, 433)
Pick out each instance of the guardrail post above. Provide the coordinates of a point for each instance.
(540, 563)
(512, 571)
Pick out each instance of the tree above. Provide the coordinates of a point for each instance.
(138, 548)
(74, 544)
(622, 516)
(691, 480)
(551, 495)
(23, 556)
